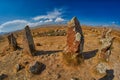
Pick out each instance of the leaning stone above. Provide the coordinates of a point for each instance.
(36, 67)
(12, 42)
(107, 42)
(28, 42)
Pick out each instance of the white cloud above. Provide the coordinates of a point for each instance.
(54, 16)
(0, 30)
(50, 15)
(49, 20)
(13, 25)
(33, 24)
(41, 21)
(17, 25)
(13, 22)
(59, 19)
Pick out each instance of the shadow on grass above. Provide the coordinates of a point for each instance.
(19, 48)
(38, 53)
(109, 75)
(89, 54)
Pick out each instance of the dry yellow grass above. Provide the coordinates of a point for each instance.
(50, 52)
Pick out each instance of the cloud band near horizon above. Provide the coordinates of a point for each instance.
(55, 16)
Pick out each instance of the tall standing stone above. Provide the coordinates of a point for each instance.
(75, 38)
(28, 42)
(107, 42)
(12, 42)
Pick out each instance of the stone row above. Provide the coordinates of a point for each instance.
(75, 40)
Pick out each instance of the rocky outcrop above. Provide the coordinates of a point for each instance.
(12, 42)
(28, 42)
(36, 67)
(106, 42)
(75, 38)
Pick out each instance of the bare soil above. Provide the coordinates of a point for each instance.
(50, 53)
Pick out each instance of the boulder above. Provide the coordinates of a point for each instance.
(36, 67)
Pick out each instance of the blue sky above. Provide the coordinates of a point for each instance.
(15, 14)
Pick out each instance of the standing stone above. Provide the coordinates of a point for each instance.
(75, 38)
(104, 32)
(107, 42)
(12, 42)
(28, 42)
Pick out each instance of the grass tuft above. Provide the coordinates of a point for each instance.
(72, 59)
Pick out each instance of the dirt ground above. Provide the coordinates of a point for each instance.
(50, 54)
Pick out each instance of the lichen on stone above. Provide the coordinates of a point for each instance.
(77, 36)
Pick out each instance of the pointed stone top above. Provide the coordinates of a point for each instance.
(73, 22)
(74, 19)
(10, 34)
(27, 26)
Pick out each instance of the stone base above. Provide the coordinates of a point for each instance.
(33, 53)
(73, 59)
(105, 55)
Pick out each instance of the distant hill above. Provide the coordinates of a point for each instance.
(1, 33)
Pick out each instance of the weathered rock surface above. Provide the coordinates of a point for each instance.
(101, 68)
(19, 67)
(107, 42)
(12, 42)
(75, 38)
(36, 67)
(28, 42)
